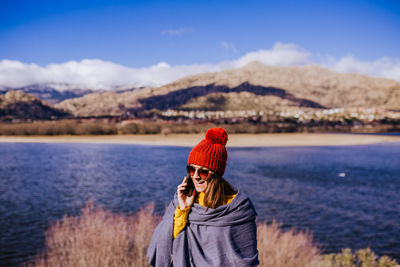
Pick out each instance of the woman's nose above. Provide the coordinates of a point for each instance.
(196, 175)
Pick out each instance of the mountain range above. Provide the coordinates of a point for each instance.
(56, 93)
(252, 87)
(255, 86)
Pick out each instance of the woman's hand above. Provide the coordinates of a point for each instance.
(184, 200)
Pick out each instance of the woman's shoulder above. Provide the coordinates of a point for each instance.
(240, 198)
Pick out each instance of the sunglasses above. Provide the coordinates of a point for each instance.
(202, 172)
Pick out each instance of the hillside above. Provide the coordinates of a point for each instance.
(255, 86)
(101, 104)
(18, 105)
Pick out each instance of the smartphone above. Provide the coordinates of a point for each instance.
(189, 187)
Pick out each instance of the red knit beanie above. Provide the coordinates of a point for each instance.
(211, 152)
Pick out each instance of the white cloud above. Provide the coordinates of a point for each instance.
(94, 74)
(279, 55)
(383, 67)
(175, 32)
(99, 74)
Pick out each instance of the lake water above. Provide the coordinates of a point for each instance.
(346, 196)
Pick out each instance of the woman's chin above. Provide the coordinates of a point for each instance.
(200, 188)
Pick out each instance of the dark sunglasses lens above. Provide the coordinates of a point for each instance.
(203, 174)
(191, 170)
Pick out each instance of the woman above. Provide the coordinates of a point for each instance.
(208, 223)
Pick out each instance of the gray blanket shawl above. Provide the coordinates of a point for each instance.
(225, 236)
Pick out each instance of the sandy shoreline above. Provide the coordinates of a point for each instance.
(235, 140)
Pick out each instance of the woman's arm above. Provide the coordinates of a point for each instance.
(180, 220)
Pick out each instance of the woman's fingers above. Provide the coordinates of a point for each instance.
(184, 179)
(181, 195)
(182, 198)
(184, 201)
(180, 187)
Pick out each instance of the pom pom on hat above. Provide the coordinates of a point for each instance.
(217, 136)
(211, 152)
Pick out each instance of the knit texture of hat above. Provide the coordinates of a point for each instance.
(211, 152)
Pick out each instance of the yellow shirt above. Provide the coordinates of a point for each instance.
(180, 216)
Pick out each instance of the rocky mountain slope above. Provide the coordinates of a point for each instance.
(255, 86)
(18, 105)
(49, 93)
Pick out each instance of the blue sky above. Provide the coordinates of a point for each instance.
(141, 34)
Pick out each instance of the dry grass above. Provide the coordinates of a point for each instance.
(291, 249)
(61, 127)
(101, 238)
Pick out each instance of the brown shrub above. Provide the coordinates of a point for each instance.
(62, 127)
(99, 238)
(363, 257)
(289, 249)
(95, 128)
